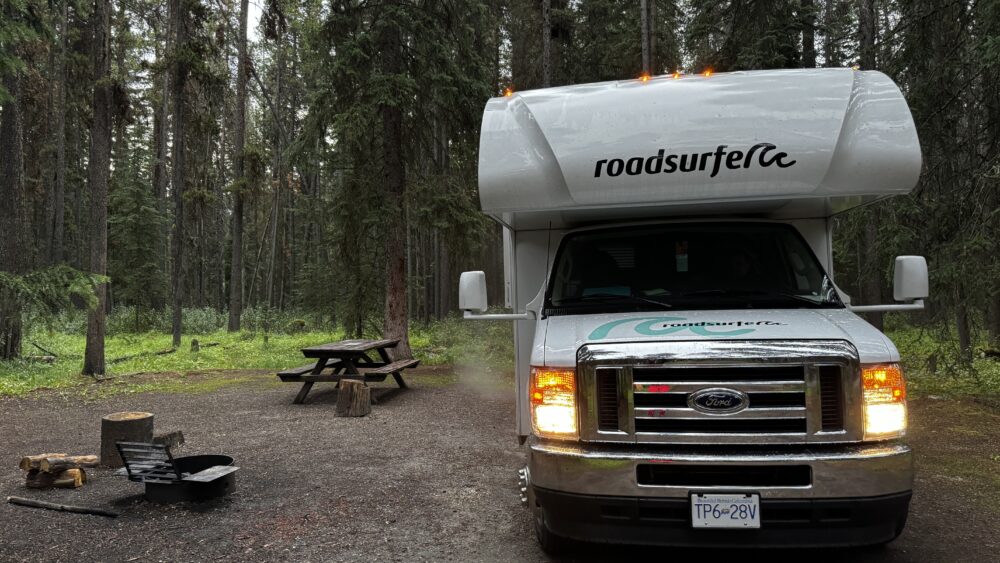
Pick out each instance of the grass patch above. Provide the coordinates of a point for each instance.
(933, 368)
(447, 342)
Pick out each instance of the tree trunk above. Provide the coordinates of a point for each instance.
(396, 322)
(644, 24)
(831, 50)
(808, 34)
(866, 35)
(13, 221)
(652, 38)
(962, 326)
(161, 137)
(239, 174)
(59, 193)
(99, 168)
(123, 427)
(993, 321)
(180, 70)
(546, 43)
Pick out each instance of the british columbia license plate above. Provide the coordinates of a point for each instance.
(735, 510)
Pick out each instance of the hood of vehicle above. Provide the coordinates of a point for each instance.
(565, 334)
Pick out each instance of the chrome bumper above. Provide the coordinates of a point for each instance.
(837, 471)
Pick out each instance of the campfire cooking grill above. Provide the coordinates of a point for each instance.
(191, 478)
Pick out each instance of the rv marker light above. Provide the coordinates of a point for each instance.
(508, 92)
(677, 74)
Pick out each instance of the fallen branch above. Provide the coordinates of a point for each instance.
(47, 352)
(141, 355)
(61, 507)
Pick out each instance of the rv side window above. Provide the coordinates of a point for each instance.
(703, 266)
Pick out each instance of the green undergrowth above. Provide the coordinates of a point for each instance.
(933, 366)
(128, 356)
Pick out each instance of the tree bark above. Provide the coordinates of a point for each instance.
(962, 326)
(808, 33)
(546, 43)
(13, 220)
(59, 193)
(993, 321)
(866, 35)
(180, 71)
(239, 174)
(644, 24)
(396, 321)
(99, 168)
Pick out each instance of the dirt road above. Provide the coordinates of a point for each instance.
(429, 476)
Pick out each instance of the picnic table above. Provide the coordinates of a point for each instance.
(348, 359)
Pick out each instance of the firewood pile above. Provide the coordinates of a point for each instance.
(57, 470)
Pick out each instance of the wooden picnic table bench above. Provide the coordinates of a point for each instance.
(347, 359)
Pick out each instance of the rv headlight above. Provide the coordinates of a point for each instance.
(885, 401)
(553, 402)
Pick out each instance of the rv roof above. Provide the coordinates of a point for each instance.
(783, 143)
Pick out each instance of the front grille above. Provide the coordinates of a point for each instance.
(607, 399)
(831, 393)
(776, 399)
(715, 373)
(723, 426)
(720, 392)
(681, 475)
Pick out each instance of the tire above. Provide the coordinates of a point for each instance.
(552, 544)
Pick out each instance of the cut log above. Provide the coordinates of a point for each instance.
(68, 479)
(59, 464)
(354, 398)
(123, 427)
(63, 507)
(30, 462)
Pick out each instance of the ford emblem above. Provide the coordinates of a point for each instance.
(718, 401)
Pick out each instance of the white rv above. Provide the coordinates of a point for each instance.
(688, 372)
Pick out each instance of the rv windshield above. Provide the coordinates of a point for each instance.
(687, 266)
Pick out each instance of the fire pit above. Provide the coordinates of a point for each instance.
(194, 478)
(193, 491)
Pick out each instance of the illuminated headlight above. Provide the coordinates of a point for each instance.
(553, 402)
(885, 401)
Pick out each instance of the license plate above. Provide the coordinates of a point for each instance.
(734, 510)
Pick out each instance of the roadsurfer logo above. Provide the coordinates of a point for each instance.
(662, 326)
(761, 153)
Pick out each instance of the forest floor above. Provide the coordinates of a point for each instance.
(428, 476)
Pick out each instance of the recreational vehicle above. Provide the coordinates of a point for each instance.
(688, 371)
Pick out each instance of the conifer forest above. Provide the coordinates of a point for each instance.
(269, 162)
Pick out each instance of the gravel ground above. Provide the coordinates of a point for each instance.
(428, 476)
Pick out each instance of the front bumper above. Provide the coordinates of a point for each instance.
(784, 522)
(854, 495)
(854, 471)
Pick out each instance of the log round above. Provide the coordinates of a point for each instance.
(123, 427)
(354, 398)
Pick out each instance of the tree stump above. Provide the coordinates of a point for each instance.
(354, 398)
(123, 427)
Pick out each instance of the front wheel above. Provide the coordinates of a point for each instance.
(552, 544)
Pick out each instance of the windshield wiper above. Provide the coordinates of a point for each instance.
(605, 297)
(765, 293)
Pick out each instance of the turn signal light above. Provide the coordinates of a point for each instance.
(553, 402)
(885, 401)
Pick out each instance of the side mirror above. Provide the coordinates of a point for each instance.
(909, 281)
(472, 292)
